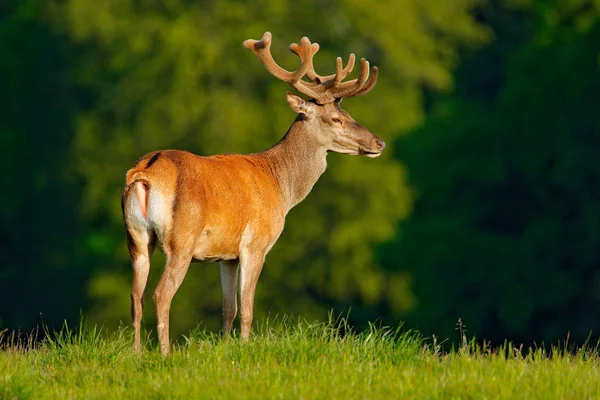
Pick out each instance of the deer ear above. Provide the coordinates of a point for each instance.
(298, 104)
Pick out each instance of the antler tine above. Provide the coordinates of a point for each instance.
(329, 80)
(306, 56)
(369, 85)
(341, 74)
(338, 77)
(306, 59)
(348, 89)
(261, 48)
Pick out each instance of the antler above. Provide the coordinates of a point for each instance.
(323, 89)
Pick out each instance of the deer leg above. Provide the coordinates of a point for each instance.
(170, 281)
(141, 247)
(251, 266)
(229, 276)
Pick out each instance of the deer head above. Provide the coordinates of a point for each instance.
(333, 127)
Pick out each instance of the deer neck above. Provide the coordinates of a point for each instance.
(297, 162)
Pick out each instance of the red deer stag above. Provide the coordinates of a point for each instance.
(231, 208)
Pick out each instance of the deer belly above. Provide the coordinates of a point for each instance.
(215, 246)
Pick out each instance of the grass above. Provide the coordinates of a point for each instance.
(291, 361)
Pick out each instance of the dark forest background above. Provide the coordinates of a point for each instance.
(485, 206)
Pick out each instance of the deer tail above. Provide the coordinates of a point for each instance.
(139, 182)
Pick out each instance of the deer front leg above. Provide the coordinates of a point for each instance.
(229, 277)
(251, 264)
(170, 281)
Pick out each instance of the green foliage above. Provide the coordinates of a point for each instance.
(506, 224)
(296, 360)
(173, 74)
(497, 181)
(41, 268)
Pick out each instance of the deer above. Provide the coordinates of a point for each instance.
(231, 208)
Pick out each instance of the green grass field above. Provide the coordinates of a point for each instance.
(292, 361)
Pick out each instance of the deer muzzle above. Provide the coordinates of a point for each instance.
(373, 149)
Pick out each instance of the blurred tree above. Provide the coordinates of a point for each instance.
(505, 228)
(173, 74)
(42, 268)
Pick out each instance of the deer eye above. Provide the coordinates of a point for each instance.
(336, 120)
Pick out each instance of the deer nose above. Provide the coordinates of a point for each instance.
(380, 144)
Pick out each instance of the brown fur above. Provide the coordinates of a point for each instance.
(228, 208)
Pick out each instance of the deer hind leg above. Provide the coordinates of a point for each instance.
(251, 265)
(141, 246)
(229, 277)
(172, 277)
(141, 241)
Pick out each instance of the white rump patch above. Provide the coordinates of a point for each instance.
(159, 213)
